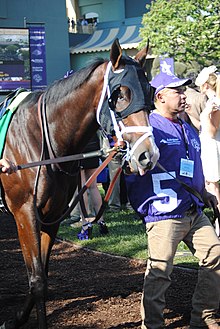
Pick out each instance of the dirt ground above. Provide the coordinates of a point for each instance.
(87, 290)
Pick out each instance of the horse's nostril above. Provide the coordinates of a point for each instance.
(145, 161)
(149, 165)
(143, 157)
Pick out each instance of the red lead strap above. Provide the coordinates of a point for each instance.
(107, 196)
(99, 169)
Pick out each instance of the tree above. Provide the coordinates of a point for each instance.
(188, 31)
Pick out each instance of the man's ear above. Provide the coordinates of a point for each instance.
(160, 97)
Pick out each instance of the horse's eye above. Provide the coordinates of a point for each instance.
(121, 96)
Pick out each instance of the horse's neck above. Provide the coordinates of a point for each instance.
(75, 121)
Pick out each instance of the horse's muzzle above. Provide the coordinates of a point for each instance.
(145, 162)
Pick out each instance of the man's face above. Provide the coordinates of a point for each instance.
(174, 99)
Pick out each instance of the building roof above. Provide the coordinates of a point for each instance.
(101, 40)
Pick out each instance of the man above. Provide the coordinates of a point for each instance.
(7, 166)
(172, 214)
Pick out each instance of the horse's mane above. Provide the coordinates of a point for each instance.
(61, 88)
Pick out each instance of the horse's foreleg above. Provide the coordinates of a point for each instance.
(37, 273)
(48, 235)
(30, 244)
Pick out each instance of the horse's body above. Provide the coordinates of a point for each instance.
(71, 106)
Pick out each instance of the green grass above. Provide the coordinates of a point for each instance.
(126, 238)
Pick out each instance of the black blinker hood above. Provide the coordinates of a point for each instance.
(134, 78)
(140, 90)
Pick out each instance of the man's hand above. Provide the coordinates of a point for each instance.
(210, 199)
(7, 166)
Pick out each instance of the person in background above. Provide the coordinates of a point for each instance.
(78, 26)
(84, 22)
(73, 24)
(173, 214)
(87, 168)
(195, 100)
(209, 82)
(114, 203)
(84, 25)
(119, 199)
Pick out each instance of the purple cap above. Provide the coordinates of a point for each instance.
(164, 80)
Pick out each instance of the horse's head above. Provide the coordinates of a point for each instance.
(129, 98)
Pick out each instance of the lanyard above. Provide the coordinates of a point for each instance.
(184, 138)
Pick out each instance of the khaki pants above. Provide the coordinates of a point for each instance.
(163, 238)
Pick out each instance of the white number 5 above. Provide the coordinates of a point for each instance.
(171, 203)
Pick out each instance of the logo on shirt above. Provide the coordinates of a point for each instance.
(170, 141)
(195, 144)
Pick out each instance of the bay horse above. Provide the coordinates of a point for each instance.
(70, 119)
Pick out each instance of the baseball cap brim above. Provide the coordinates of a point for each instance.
(164, 80)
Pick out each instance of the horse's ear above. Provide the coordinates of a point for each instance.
(141, 55)
(115, 54)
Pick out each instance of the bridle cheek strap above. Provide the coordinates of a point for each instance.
(117, 130)
(104, 89)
